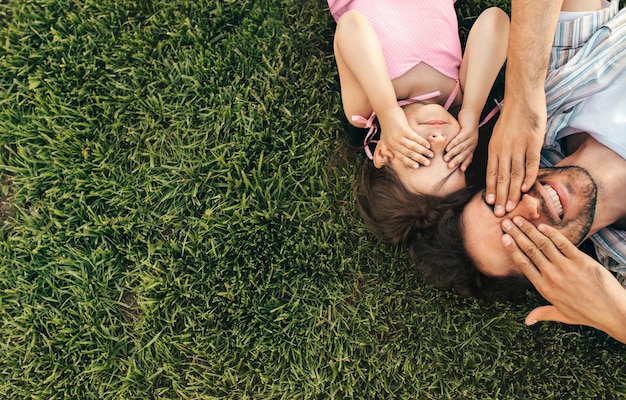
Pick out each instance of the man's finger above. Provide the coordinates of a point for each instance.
(491, 178)
(561, 243)
(547, 313)
(522, 262)
(544, 244)
(502, 189)
(527, 245)
(531, 171)
(517, 178)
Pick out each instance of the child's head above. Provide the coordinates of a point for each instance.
(394, 214)
(435, 124)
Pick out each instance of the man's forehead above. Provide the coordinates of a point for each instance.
(481, 233)
(474, 216)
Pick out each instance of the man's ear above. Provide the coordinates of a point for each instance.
(382, 155)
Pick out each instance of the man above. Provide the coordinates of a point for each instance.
(581, 198)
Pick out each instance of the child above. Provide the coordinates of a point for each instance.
(400, 68)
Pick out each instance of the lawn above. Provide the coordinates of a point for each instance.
(178, 223)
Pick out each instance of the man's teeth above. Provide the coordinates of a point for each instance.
(555, 199)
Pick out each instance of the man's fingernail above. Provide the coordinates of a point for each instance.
(506, 224)
(498, 210)
(510, 206)
(490, 198)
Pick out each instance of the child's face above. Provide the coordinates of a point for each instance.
(435, 124)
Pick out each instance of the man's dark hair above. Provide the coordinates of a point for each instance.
(431, 229)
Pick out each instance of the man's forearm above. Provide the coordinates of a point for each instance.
(615, 322)
(533, 24)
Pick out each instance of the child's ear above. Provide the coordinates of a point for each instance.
(382, 155)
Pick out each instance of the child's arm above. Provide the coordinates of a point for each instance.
(485, 53)
(366, 86)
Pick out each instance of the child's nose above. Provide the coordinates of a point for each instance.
(437, 140)
(437, 136)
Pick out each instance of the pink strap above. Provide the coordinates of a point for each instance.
(373, 127)
(452, 95)
(492, 113)
(422, 97)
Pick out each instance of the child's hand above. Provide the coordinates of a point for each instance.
(460, 150)
(406, 144)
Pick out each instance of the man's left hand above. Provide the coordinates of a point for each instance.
(580, 289)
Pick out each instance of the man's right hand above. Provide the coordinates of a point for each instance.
(514, 153)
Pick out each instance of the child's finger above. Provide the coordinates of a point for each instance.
(412, 158)
(459, 151)
(464, 159)
(453, 143)
(413, 155)
(416, 149)
(412, 137)
(466, 163)
(452, 153)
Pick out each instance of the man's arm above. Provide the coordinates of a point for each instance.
(580, 290)
(518, 135)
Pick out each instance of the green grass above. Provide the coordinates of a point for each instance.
(181, 225)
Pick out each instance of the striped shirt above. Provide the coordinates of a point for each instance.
(588, 55)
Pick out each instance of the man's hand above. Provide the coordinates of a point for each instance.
(514, 154)
(580, 289)
(460, 150)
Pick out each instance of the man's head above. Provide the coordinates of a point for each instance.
(441, 259)
(562, 197)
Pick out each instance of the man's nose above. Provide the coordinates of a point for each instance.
(529, 207)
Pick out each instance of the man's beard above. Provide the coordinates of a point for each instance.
(581, 184)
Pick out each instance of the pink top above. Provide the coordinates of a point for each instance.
(410, 32)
